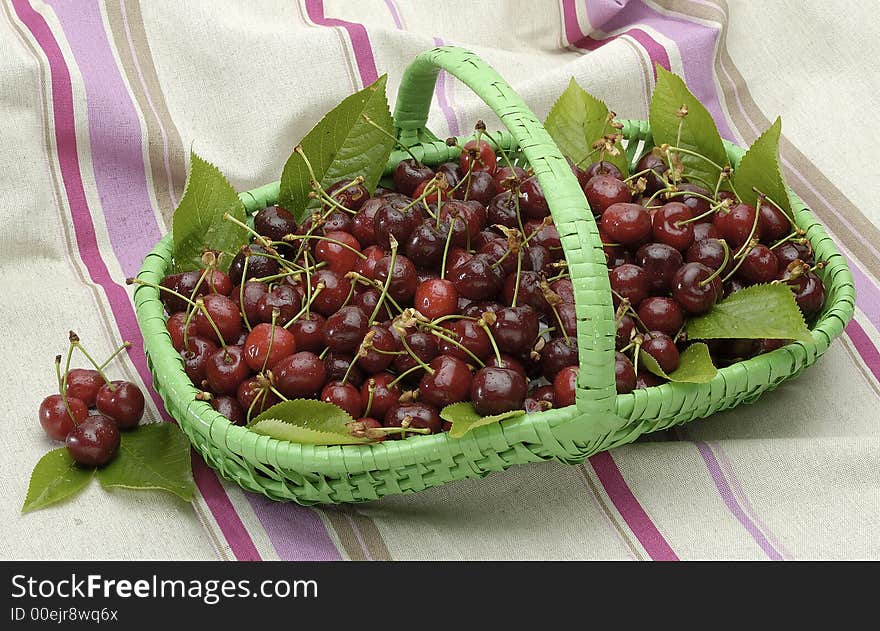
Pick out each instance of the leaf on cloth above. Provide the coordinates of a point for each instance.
(698, 130)
(198, 222)
(342, 145)
(464, 417)
(154, 456)
(55, 477)
(307, 421)
(759, 169)
(756, 312)
(694, 365)
(576, 121)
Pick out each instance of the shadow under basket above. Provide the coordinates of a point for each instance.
(599, 420)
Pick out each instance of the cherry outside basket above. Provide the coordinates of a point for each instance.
(600, 419)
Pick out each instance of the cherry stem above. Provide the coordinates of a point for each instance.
(295, 237)
(75, 343)
(391, 264)
(200, 304)
(278, 394)
(721, 267)
(396, 140)
(774, 204)
(588, 156)
(696, 155)
(495, 348)
(121, 348)
(793, 235)
(415, 357)
(736, 267)
(406, 372)
(435, 331)
(639, 174)
(63, 380)
(58, 375)
(138, 281)
(691, 176)
(446, 249)
(318, 288)
(559, 322)
(261, 394)
(360, 278)
(322, 195)
(453, 316)
(371, 390)
(275, 313)
(308, 282)
(240, 299)
(546, 223)
(747, 246)
(716, 206)
(260, 239)
(499, 148)
(518, 273)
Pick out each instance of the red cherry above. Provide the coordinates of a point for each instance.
(384, 394)
(56, 420)
(436, 298)
(604, 190)
(338, 257)
(84, 384)
(478, 157)
(124, 404)
(226, 369)
(496, 390)
(345, 396)
(415, 415)
(175, 327)
(300, 376)
(230, 408)
(309, 333)
(93, 442)
(759, 265)
(450, 381)
(773, 223)
(266, 341)
(624, 373)
(255, 397)
(225, 315)
(627, 224)
(565, 385)
(667, 226)
(662, 314)
(735, 225)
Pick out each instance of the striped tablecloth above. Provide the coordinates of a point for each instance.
(101, 101)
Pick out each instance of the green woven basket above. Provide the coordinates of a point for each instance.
(600, 418)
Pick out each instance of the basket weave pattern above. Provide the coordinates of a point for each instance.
(599, 420)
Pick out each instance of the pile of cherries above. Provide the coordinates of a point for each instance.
(91, 438)
(454, 287)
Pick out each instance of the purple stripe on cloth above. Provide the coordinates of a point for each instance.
(577, 38)
(360, 40)
(114, 136)
(630, 509)
(600, 11)
(732, 504)
(865, 347)
(395, 14)
(440, 90)
(296, 532)
(87, 244)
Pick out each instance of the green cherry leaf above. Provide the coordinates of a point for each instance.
(154, 456)
(694, 365)
(198, 222)
(759, 169)
(756, 312)
(55, 477)
(464, 417)
(698, 131)
(306, 421)
(578, 119)
(342, 145)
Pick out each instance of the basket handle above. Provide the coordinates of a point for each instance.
(596, 392)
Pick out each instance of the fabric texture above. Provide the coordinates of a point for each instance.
(101, 101)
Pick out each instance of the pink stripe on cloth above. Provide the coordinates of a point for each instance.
(120, 305)
(395, 14)
(865, 347)
(114, 136)
(630, 509)
(360, 40)
(577, 38)
(296, 532)
(732, 504)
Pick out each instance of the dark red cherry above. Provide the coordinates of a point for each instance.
(348, 194)
(661, 347)
(363, 226)
(449, 383)
(631, 282)
(121, 401)
(274, 223)
(378, 356)
(230, 408)
(300, 376)
(309, 333)
(175, 327)
(603, 191)
(627, 224)
(338, 221)
(735, 225)
(404, 280)
(508, 177)
(709, 252)
(84, 384)
(476, 278)
(564, 289)
(334, 294)
(433, 191)
(759, 265)
(426, 244)
(773, 223)
(568, 317)
(477, 157)
(502, 209)
(497, 390)
(624, 373)
(556, 355)
(705, 230)
(602, 168)
(468, 334)
(646, 379)
(258, 264)
(415, 415)
(285, 298)
(533, 204)
(697, 205)
(457, 256)
(226, 369)
(391, 219)
(423, 345)
(662, 314)
(787, 253)
(669, 229)
(498, 250)
(345, 396)
(451, 171)
(339, 250)
(479, 186)
(436, 298)
(809, 292)
(93, 442)
(625, 327)
(255, 397)
(564, 386)
(508, 362)
(248, 298)
(538, 259)
(658, 167)
(660, 261)
(266, 345)
(515, 329)
(408, 174)
(692, 292)
(336, 365)
(346, 328)
(529, 292)
(380, 394)
(55, 420)
(195, 358)
(548, 237)
(223, 312)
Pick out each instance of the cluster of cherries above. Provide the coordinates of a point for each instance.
(453, 287)
(91, 438)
